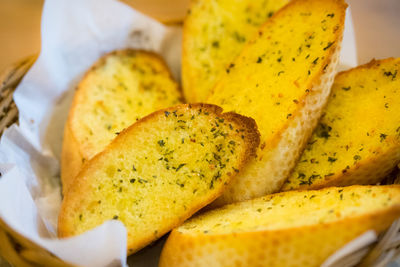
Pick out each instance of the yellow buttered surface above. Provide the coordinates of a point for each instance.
(358, 138)
(286, 229)
(159, 172)
(282, 79)
(214, 34)
(121, 88)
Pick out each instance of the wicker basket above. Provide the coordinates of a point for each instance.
(19, 251)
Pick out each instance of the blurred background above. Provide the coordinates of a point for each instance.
(20, 23)
(376, 24)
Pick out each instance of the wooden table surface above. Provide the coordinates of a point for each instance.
(376, 25)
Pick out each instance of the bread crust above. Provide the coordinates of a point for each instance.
(81, 183)
(73, 154)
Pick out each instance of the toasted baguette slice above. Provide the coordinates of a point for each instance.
(121, 88)
(286, 229)
(282, 79)
(358, 138)
(214, 33)
(159, 172)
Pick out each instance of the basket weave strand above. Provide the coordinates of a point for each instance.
(9, 80)
(19, 251)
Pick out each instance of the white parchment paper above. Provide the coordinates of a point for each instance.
(75, 33)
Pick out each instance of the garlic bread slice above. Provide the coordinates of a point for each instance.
(282, 79)
(119, 89)
(286, 229)
(214, 33)
(357, 140)
(159, 172)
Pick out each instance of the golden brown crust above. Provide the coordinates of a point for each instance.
(373, 62)
(252, 134)
(73, 154)
(81, 184)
